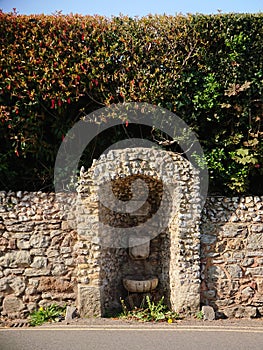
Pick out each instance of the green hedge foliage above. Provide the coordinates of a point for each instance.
(206, 69)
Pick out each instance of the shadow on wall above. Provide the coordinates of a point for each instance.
(232, 256)
(147, 260)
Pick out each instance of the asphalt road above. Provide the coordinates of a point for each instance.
(130, 339)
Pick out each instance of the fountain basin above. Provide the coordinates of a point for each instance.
(140, 284)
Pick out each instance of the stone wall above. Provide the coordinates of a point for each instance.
(37, 254)
(232, 256)
(43, 260)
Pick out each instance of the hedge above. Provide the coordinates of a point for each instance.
(206, 69)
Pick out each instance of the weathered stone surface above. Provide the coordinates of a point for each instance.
(215, 273)
(208, 239)
(237, 250)
(54, 284)
(23, 244)
(230, 231)
(248, 292)
(3, 284)
(39, 262)
(234, 271)
(241, 311)
(37, 272)
(257, 228)
(36, 241)
(59, 270)
(88, 301)
(71, 312)
(255, 271)
(15, 259)
(260, 310)
(208, 313)
(255, 241)
(17, 284)
(31, 306)
(12, 304)
(139, 249)
(247, 262)
(39, 241)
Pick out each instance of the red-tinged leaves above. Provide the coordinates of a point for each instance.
(183, 63)
(95, 82)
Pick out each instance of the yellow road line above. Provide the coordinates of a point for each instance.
(171, 329)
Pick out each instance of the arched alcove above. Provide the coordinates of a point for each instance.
(146, 193)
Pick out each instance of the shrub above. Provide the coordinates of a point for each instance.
(206, 69)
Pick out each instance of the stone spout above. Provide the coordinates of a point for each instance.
(139, 247)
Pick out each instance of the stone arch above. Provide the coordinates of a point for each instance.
(103, 258)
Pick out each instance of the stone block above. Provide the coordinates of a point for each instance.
(71, 312)
(14, 271)
(3, 284)
(231, 231)
(39, 262)
(247, 262)
(52, 253)
(208, 239)
(257, 228)
(37, 272)
(18, 227)
(31, 306)
(15, 259)
(12, 244)
(260, 310)
(239, 311)
(64, 250)
(70, 262)
(17, 284)
(12, 304)
(208, 313)
(254, 271)
(248, 292)
(89, 301)
(234, 271)
(39, 241)
(23, 244)
(54, 284)
(255, 241)
(215, 273)
(59, 270)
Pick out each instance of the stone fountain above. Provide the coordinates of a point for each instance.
(139, 250)
(160, 264)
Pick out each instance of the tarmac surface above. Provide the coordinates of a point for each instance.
(112, 334)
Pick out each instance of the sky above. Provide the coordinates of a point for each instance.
(132, 8)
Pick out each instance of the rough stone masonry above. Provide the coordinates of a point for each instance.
(44, 260)
(232, 256)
